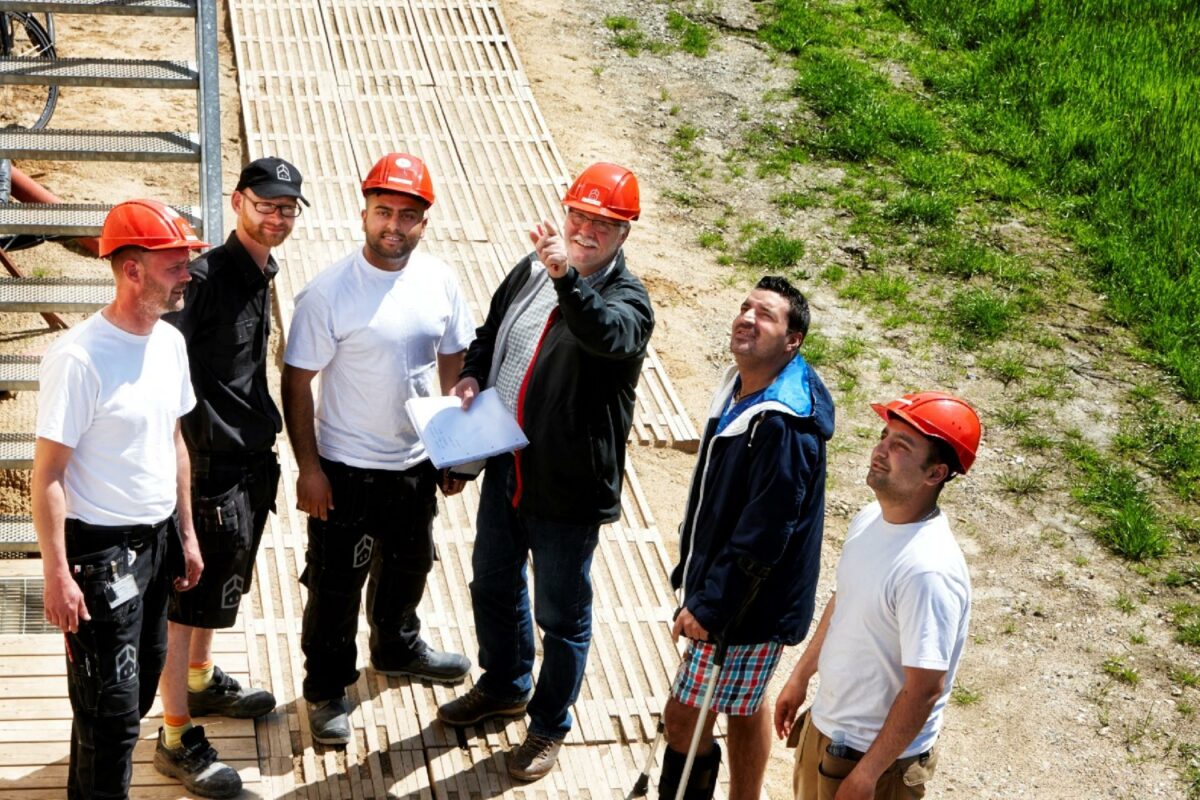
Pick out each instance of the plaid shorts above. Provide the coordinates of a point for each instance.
(739, 693)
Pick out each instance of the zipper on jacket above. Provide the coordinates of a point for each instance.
(695, 516)
(554, 315)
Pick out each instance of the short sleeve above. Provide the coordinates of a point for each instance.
(311, 342)
(67, 397)
(929, 610)
(460, 328)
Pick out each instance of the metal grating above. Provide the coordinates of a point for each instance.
(77, 145)
(21, 608)
(16, 450)
(65, 219)
(17, 534)
(145, 8)
(55, 294)
(19, 373)
(98, 72)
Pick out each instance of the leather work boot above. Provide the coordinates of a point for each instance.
(429, 665)
(534, 757)
(195, 764)
(329, 721)
(475, 707)
(225, 697)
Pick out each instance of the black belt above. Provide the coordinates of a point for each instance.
(136, 536)
(202, 462)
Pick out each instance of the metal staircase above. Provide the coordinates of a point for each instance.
(201, 147)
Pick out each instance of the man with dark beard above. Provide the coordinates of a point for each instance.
(382, 325)
(226, 321)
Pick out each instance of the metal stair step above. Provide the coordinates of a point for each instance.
(65, 219)
(17, 534)
(16, 450)
(144, 8)
(99, 72)
(19, 373)
(74, 145)
(64, 295)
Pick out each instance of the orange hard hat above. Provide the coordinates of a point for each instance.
(605, 190)
(400, 172)
(942, 416)
(148, 224)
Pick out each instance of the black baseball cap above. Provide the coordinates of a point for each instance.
(272, 177)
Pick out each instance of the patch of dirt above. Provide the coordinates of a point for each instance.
(1047, 721)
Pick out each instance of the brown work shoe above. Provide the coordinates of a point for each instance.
(475, 707)
(534, 757)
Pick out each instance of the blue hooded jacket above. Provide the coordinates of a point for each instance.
(757, 499)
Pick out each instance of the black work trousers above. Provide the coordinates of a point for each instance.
(114, 661)
(379, 532)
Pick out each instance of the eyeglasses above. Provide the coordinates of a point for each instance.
(601, 226)
(290, 211)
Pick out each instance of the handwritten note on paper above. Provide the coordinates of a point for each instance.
(452, 436)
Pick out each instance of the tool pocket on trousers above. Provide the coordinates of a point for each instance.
(102, 658)
(831, 771)
(920, 771)
(222, 521)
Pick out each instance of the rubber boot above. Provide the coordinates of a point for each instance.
(702, 783)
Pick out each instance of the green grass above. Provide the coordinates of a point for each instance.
(1096, 104)
(1006, 367)
(1023, 482)
(1124, 603)
(878, 287)
(962, 696)
(1187, 623)
(1119, 671)
(1169, 443)
(1129, 524)
(980, 315)
(693, 37)
(774, 251)
(920, 208)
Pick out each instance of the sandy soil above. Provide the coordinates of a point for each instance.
(1048, 722)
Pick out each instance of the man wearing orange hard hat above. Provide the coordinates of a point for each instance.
(890, 639)
(385, 324)
(111, 492)
(562, 345)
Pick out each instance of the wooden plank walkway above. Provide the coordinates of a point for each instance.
(331, 86)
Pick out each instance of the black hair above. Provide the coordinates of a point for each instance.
(942, 453)
(798, 315)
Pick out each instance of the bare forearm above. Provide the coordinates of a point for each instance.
(449, 367)
(806, 667)
(298, 414)
(908, 714)
(49, 518)
(183, 484)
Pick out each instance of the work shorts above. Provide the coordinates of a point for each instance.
(231, 501)
(743, 680)
(818, 774)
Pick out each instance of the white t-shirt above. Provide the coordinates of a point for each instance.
(375, 336)
(903, 600)
(115, 397)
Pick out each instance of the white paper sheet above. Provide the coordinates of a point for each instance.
(452, 436)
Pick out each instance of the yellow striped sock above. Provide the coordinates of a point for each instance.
(173, 730)
(200, 676)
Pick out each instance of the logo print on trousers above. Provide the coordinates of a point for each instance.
(127, 665)
(231, 592)
(362, 551)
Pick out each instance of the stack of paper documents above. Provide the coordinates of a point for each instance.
(452, 436)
